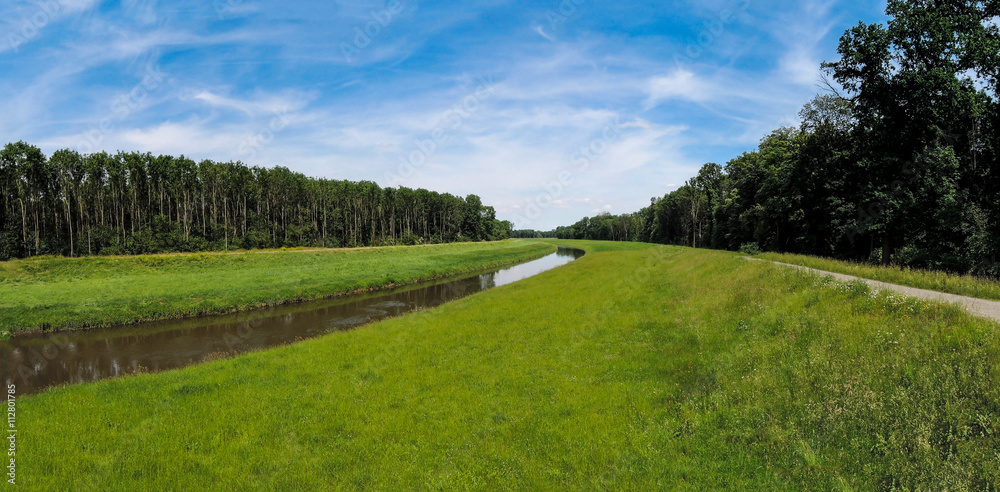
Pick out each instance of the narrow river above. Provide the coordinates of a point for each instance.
(34, 363)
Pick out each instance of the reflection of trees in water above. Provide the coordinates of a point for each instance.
(454, 290)
(569, 253)
(487, 281)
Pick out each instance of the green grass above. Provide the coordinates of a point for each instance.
(963, 285)
(58, 293)
(636, 367)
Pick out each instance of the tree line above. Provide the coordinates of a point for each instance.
(72, 204)
(896, 162)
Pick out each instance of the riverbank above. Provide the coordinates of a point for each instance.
(40, 362)
(54, 294)
(635, 367)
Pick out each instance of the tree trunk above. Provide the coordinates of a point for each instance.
(69, 222)
(24, 224)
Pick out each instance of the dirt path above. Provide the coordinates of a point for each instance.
(978, 307)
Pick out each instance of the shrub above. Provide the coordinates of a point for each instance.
(750, 249)
(410, 239)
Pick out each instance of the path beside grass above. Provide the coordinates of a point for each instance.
(933, 280)
(636, 367)
(978, 307)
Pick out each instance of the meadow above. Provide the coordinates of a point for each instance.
(963, 285)
(636, 367)
(53, 294)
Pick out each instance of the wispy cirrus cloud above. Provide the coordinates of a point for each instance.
(269, 84)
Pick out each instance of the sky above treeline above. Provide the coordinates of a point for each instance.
(548, 110)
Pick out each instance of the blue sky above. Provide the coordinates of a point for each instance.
(548, 110)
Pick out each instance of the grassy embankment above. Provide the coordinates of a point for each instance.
(58, 293)
(963, 285)
(634, 368)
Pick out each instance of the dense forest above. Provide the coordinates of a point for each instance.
(896, 162)
(131, 203)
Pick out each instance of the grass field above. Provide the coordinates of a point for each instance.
(637, 367)
(963, 285)
(58, 293)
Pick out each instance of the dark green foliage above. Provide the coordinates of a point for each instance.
(532, 234)
(750, 249)
(132, 203)
(903, 168)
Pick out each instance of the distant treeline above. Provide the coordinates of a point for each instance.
(131, 203)
(902, 167)
(532, 234)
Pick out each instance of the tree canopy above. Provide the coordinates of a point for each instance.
(132, 203)
(900, 167)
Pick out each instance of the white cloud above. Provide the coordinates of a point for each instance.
(355, 120)
(801, 67)
(541, 32)
(168, 137)
(24, 23)
(801, 32)
(681, 84)
(258, 104)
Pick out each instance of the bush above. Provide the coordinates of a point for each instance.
(750, 249)
(409, 239)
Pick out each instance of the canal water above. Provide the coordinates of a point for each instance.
(37, 362)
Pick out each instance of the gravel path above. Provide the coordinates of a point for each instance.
(978, 307)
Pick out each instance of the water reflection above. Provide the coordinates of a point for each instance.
(37, 362)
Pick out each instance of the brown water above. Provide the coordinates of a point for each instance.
(34, 363)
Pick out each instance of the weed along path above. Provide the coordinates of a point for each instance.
(40, 361)
(978, 307)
